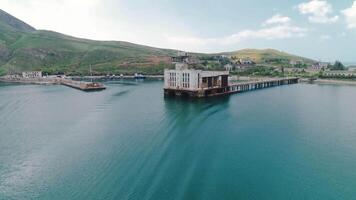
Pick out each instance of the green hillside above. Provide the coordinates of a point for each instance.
(268, 56)
(23, 48)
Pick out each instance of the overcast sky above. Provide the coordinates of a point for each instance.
(318, 29)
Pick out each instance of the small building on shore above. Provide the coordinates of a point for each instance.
(32, 74)
(228, 67)
(246, 61)
(318, 66)
(13, 76)
(339, 74)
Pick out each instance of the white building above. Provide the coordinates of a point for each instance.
(182, 80)
(246, 61)
(228, 67)
(190, 79)
(33, 74)
(319, 66)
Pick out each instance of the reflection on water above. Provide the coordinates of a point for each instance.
(129, 142)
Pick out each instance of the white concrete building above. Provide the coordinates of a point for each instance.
(190, 79)
(33, 74)
(185, 81)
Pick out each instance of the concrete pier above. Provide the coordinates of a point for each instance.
(80, 85)
(84, 86)
(254, 85)
(183, 81)
(230, 88)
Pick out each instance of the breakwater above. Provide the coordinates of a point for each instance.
(80, 85)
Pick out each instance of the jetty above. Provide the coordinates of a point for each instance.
(261, 84)
(231, 88)
(84, 86)
(80, 85)
(183, 81)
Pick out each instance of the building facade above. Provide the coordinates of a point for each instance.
(190, 79)
(228, 67)
(33, 74)
(246, 61)
(183, 81)
(319, 66)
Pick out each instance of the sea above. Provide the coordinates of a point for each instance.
(130, 142)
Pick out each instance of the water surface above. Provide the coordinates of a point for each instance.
(128, 142)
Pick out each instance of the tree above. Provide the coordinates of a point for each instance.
(338, 66)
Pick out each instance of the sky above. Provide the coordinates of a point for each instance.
(319, 29)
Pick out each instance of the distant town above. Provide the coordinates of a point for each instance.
(276, 67)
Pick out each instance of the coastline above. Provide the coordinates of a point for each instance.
(334, 82)
(55, 81)
(35, 81)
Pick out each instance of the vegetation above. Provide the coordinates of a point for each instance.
(269, 56)
(2, 72)
(337, 66)
(260, 71)
(23, 48)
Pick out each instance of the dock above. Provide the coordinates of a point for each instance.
(80, 85)
(186, 81)
(255, 85)
(84, 86)
(231, 88)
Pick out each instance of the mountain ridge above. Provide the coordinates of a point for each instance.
(23, 48)
(14, 23)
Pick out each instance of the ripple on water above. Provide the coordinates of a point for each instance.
(128, 142)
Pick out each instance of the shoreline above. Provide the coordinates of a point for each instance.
(80, 85)
(56, 81)
(37, 81)
(334, 82)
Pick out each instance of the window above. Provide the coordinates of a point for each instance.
(172, 80)
(186, 80)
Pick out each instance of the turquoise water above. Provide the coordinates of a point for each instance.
(128, 142)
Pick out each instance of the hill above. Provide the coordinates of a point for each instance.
(10, 23)
(23, 48)
(56, 53)
(268, 56)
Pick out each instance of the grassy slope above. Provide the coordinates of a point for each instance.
(55, 52)
(24, 48)
(263, 55)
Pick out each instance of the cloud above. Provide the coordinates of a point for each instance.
(65, 16)
(350, 15)
(279, 29)
(270, 33)
(325, 37)
(277, 19)
(319, 11)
